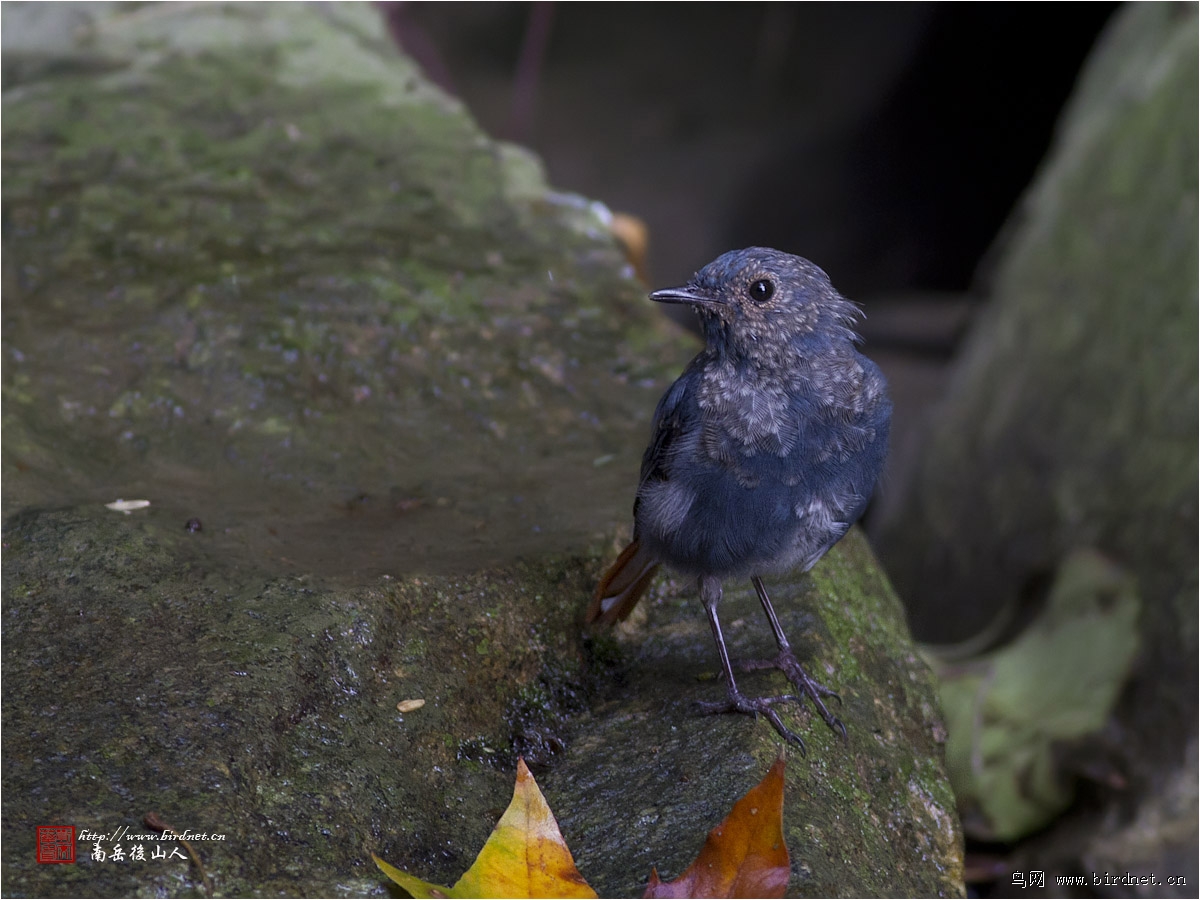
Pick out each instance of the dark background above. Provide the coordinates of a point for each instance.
(886, 142)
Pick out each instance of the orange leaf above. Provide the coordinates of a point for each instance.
(525, 856)
(744, 856)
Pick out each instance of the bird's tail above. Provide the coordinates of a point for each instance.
(622, 586)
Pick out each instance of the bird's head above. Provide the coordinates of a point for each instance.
(759, 298)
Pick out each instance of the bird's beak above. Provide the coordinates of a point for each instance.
(685, 294)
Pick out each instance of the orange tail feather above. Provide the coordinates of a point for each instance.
(622, 586)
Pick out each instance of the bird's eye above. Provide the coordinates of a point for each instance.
(762, 290)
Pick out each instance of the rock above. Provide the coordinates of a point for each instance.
(385, 393)
(146, 677)
(1071, 423)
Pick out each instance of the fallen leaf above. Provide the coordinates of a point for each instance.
(744, 856)
(525, 856)
(415, 886)
(1013, 713)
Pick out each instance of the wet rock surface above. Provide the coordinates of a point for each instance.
(386, 394)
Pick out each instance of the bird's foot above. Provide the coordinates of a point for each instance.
(740, 703)
(808, 686)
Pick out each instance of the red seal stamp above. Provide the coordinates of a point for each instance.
(56, 843)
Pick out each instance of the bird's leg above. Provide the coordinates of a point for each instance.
(710, 596)
(787, 663)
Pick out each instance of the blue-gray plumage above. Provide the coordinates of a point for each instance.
(764, 452)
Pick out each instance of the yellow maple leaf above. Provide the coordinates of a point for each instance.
(525, 856)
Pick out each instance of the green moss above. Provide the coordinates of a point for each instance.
(313, 297)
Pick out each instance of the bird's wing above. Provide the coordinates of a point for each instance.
(627, 579)
(673, 415)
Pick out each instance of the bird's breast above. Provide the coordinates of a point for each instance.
(745, 413)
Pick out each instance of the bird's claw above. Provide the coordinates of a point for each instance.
(740, 703)
(808, 686)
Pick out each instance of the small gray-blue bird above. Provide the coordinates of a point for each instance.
(763, 454)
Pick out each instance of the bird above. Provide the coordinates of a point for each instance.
(762, 454)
